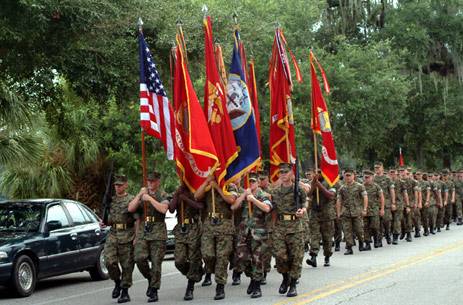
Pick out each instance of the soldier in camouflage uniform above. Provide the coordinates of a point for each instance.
(441, 208)
(416, 211)
(218, 230)
(388, 187)
(459, 197)
(449, 198)
(152, 233)
(187, 233)
(236, 217)
(424, 200)
(288, 233)
(305, 183)
(413, 195)
(252, 234)
(338, 223)
(119, 243)
(264, 185)
(322, 216)
(436, 201)
(401, 202)
(374, 212)
(351, 206)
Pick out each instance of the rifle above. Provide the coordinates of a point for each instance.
(107, 198)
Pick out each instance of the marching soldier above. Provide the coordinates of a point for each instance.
(449, 198)
(401, 202)
(152, 233)
(436, 201)
(424, 200)
(188, 237)
(321, 219)
(388, 187)
(374, 212)
(255, 205)
(352, 205)
(218, 230)
(442, 206)
(459, 197)
(264, 185)
(288, 233)
(119, 243)
(412, 191)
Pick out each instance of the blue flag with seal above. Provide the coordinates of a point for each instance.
(240, 111)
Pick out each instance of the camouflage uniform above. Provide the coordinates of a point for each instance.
(118, 246)
(397, 215)
(386, 185)
(371, 221)
(267, 256)
(322, 216)
(151, 241)
(407, 221)
(288, 232)
(459, 199)
(441, 210)
(450, 206)
(425, 186)
(432, 210)
(337, 222)
(306, 218)
(351, 196)
(252, 234)
(217, 238)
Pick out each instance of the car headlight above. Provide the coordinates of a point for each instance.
(3, 255)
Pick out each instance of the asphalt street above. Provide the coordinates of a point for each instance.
(427, 271)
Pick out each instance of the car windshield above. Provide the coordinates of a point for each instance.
(22, 217)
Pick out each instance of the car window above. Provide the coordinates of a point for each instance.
(89, 213)
(56, 213)
(77, 215)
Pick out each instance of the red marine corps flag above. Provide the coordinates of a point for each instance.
(282, 140)
(401, 157)
(321, 125)
(215, 109)
(195, 153)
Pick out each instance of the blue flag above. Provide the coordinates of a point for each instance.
(239, 109)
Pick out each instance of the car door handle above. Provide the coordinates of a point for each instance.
(73, 236)
(97, 232)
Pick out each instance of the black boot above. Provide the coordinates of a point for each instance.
(312, 261)
(460, 221)
(189, 291)
(337, 246)
(124, 298)
(154, 296)
(327, 261)
(417, 233)
(256, 292)
(117, 289)
(250, 287)
(264, 279)
(388, 238)
(236, 277)
(402, 235)
(207, 280)
(292, 292)
(367, 246)
(376, 242)
(284, 284)
(219, 292)
(432, 230)
(426, 231)
(409, 237)
(348, 251)
(447, 227)
(395, 238)
(362, 247)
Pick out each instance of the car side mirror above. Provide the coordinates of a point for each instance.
(54, 225)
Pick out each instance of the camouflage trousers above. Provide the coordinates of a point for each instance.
(397, 216)
(187, 251)
(216, 249)
(416, 216)
(338, 230)
(307, 230)
(351, 226)
(386, 222)
(250, 255)
(459, 207)
(154, 251)
(440, 217)
(324, 231)
(288, 249)
(429, 217)
(371, 227)
(448, 212)
(115, 254)
(267, 256)
(407, 221)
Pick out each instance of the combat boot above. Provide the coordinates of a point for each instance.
(236, 277)
(348, 251)
(219, 292)
(367, 246)
(154, 296)
(337, 246)
(250, 287)
(409, 237)
(432, 230)
(124, 298)
(447, 227)
(327, 261)
(207, 280)
(362, 247)
(375, 242)
(395, 238)
(402, 235)
(460, 221)
(189, 291)
(284, 284)
(388, 238)
(426, 231)
(117, 289)
(292, 292)
(256, 292)
(264, 279)
(417, 233)
(312, 261)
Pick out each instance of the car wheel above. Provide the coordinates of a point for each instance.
(24, 276)
(99, 272)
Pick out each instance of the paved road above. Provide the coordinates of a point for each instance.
(428, 271)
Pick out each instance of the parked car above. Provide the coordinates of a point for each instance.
(42, 238)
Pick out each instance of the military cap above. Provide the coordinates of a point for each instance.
(401, 169)
(368, 172)
(349, 170)
(445, 172)
(153, 176)
(378, 164)
(253, 176)
(263, 174)
(284, 167)
(120, 179)
(310, 170)
(418, 173)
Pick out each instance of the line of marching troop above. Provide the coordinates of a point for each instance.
(241, 229)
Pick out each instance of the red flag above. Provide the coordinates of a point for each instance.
(220, 64)
(321, 125)
(252, 88)
(195, 153)
(282, 140)
(401, 157)
(216, 112)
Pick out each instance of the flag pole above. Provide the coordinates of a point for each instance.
(143, 148)
(315, 149)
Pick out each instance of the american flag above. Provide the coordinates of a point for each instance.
(156, 113)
